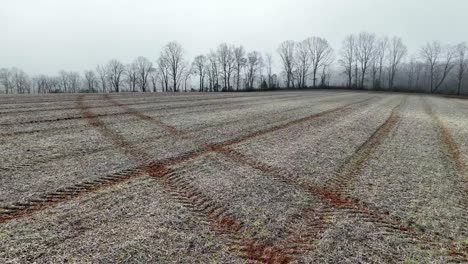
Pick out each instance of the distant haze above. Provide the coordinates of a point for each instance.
(45, 36)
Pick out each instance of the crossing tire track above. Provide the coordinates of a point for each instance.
(335, 195)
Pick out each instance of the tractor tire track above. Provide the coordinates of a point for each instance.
(212, 107)
(450, 148)
(133, 102)
(95, 97)
(142, 97)
(335, 195)
(339, 203)
(181, 135)
(129, 149)
(453, 155)
(352, 168)
(221, 105)
(217, 216)
(214, 212)
(171, 129)
(211, 211)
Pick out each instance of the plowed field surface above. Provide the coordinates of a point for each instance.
(272, 177)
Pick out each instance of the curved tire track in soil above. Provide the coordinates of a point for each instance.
(214, 213)
(98, 97)
(453, 154)
(145, 101)
(352, 168)
(181, 134)
(450, 147)
(95, 97)
(10, 134)
(336, 199)
(160, 170)
(129, 148)
(80, 117)
(154, 120)
(222, 105)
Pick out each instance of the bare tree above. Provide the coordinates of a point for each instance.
(91, 81)
(213, 72)
(173, 56)
(64, 83)
(449, 55)
(438, 71)
(418, 71)
(199, 67)
(286, 52)
(325, 76)
(143, 69)
(269, 67)
(154, 78)
(431, 54)
(187, 73)
(74, 81)
(321, 55)
(69, 81)
(303, 60)
(254, 62)
(396, 53)
(374, 70)
(21, 81)
(365, 51)
(45, 84)
(411, 72)
(115, 70)
(240, 62)
(131, 72)
(380, 54)
(40, 82)
(102, 72)
(462, 60)
(348, 51)
(6, 79)
(226, 61)
(163, 68)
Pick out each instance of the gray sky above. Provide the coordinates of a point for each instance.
(44, 36)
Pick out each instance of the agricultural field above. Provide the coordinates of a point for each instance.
(268, 177)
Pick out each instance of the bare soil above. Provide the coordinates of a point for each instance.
(272, 177)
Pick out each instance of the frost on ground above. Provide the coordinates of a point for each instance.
(272, 177)
(134, 222)
(411, 177)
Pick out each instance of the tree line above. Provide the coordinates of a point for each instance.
(364, 61)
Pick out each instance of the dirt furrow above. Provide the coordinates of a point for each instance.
(158, 97)
(335, 196)
(79, 117)
(23, 209)
(98, 97)
(341, 203)
(144, 101)
(353, 166)
(189, 196)
(130, 149)
(171, 129)
(283, 126)
(213, 106)
(452, 151)
(451, 148)
(187, 134)
(218, 217)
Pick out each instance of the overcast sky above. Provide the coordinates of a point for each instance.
(44, 36)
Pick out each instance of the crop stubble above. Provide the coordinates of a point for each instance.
(301, 230)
